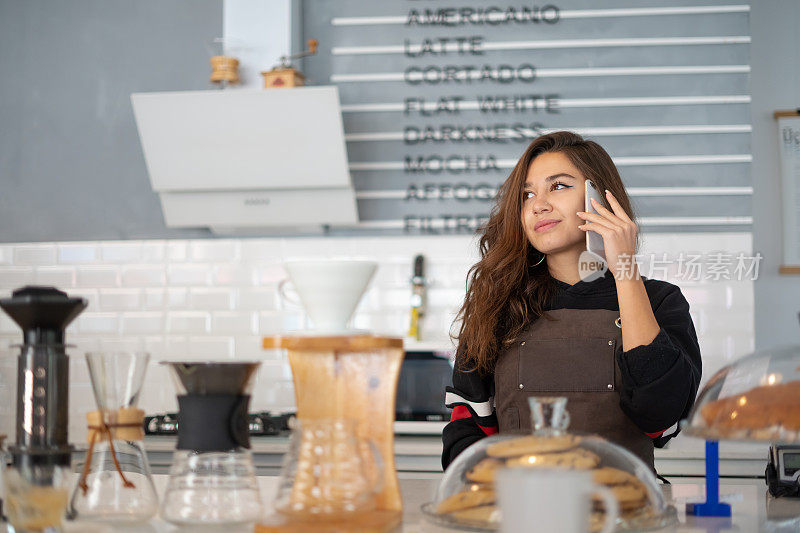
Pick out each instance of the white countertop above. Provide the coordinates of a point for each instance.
(685, 456)
(753, 509)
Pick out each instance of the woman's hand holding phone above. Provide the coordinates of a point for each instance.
(619, 235)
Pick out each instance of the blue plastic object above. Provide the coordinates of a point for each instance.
(712, 505)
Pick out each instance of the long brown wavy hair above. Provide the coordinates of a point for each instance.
(505, 292)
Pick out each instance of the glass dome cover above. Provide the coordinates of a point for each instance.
(756, 398)
(465, 497)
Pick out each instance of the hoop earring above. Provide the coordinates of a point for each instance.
(540, 260)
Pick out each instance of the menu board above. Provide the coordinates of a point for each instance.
(440, 99)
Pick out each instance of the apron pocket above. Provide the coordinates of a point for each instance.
(576, 364)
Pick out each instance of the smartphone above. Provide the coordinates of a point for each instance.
(594, 241)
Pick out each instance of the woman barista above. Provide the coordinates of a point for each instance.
(622, 348)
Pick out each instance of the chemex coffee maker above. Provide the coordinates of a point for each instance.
(339, 474)
(37, 482)
(212, 480)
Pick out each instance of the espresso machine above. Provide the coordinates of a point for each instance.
(37, 481)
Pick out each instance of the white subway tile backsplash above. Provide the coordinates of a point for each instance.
(154, 298)
(98, 276)
(171, 298)
(237, 275)
(188, 322)
(208, 299)
(90, 295)
(386, 322)
(210, 348)
(309, 248)
(77, 253)
(177, 251)
(78, 344)
(34, 254)
(258, 299)
(210, 251)
(275, 371)
(123, 252)
(393, 298)
(260, 250)
(270, 322)
(98, 323)
(120, 299)
(6, 255)
(60, 277)
(155, 345)
(234, 323)
(8, 326)
(144, 276)
(78, 370)
(158, 392)
(176, 348)
(189, 275)
(142, 323)
(251, 347)
(122, 344)
(445, 298)
(270, 274)
(391, 275)
(153, 251)
(15, 277)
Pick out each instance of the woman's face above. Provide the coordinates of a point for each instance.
(554, 190)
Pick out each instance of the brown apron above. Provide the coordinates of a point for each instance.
(573, 356)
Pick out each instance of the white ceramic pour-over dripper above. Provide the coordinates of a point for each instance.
(329, 291)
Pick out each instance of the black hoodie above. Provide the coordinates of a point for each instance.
(659, 380)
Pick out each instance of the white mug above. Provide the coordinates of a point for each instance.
(329, 290)
(544, 499)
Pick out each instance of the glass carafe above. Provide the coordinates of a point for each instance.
(212, 479)
(549, 415)
(329, 473)
(115, 483)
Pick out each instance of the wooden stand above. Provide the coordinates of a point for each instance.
(351, 377)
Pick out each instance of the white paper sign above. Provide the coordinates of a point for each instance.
(789, 142)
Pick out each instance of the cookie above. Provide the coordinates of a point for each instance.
(484, 514)
(578, 459)
(531, 444)
(630, 496)
(466, 500)
(612, 476)
(484, 471)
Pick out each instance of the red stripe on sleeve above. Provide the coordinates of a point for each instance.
(460, 412)
(656, 434)
(489, 430)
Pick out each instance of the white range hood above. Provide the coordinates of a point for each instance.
(244, 160)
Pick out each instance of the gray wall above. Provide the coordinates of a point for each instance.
(775, 84)
(71, 165)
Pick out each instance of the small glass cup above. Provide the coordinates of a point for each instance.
(549, 414)
(36, 496)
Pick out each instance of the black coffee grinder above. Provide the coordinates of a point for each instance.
(37, 481)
